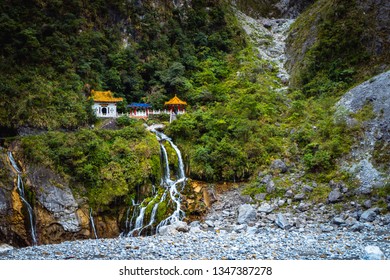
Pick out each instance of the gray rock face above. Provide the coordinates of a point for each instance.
(368, 215)
(58, 200)
(373, 253)
(246, 213)
(61, 203)
(374, 93)
(4, 203)
(335, 196)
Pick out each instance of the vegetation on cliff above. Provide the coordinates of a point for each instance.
(106, 166)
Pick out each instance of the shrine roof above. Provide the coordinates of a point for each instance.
(175, 101)
(104, 96)
(141, 105)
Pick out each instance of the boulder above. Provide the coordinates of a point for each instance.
(270, 186)
(368, 215)
(279, 165)
(373, 253)
(357, 227)
(326, 228)
(246, 213)
(289, 193)
(5, 248)
(282, 222)
(299, 197)
(303, 206)
(240, 228)
(181, 226)
(338, 221)
(265, 208)
(167, 230)
(335, 196)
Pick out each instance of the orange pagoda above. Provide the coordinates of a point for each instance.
(175, 107)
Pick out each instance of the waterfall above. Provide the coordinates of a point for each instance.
(170, 186)
(92, 223)
(30, 211)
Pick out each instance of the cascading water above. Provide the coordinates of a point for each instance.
(20, 187)
(169, 186)
(92, 223)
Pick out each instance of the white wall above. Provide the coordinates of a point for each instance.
(108, 110)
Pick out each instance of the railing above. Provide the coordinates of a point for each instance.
(144, 113)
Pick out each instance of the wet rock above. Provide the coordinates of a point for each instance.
(246, 213)
(368, 215)
(335, 196)
(279, 165)
(373, 253)
(282, 222)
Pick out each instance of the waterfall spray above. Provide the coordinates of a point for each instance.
(170, 186)
(92, 223)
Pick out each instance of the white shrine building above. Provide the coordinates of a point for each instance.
(104, 104)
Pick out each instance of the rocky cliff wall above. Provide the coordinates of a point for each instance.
(60, 214)
(367, 106)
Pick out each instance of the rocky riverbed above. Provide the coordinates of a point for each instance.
(235, 229)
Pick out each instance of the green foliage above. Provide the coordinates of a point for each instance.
(333, 36)
(110, 165)
(141, 51)
(236, 133)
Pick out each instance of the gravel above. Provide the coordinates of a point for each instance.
(270, 243)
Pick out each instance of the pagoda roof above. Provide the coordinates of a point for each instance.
(104, 96)
(175, 101)
(141, 105)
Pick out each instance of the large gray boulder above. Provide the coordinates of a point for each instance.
(335, 196)
(368, 215)
(282, 222)
(246, 213)
(365, 160)
(279, 165)
(373, 253)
